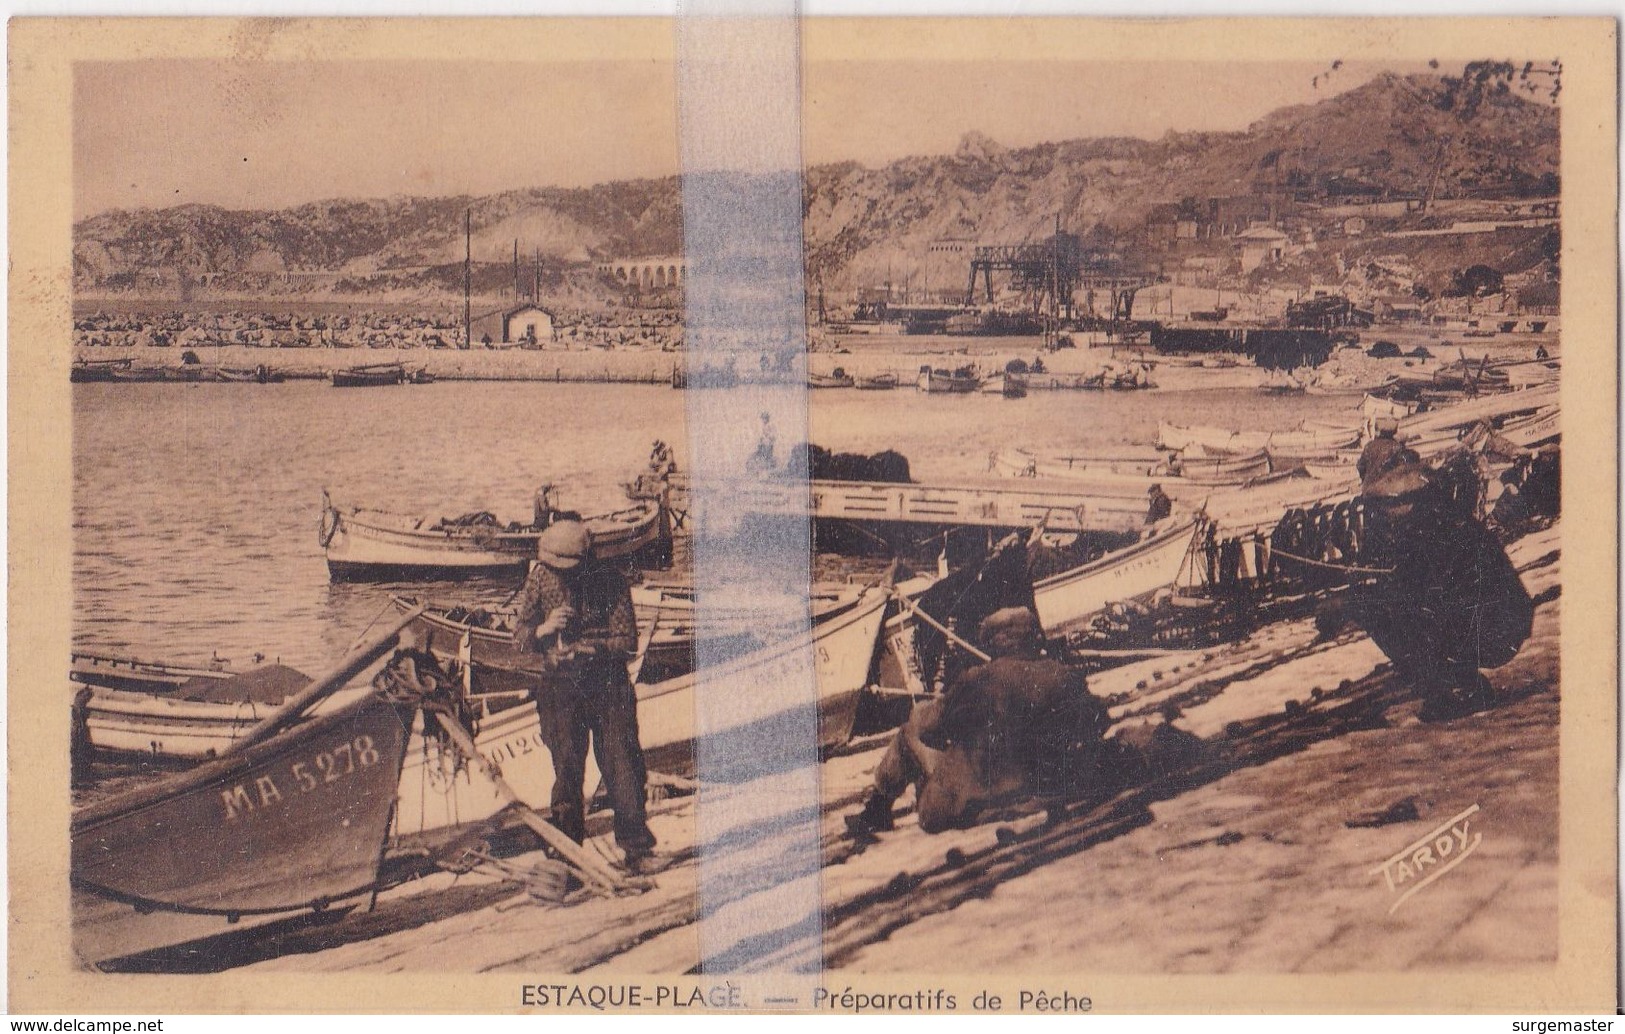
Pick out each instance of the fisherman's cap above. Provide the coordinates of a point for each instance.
(564, 544)
(1387, 425)
(1010, 620)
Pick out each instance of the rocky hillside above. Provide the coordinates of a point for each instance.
(1393, 136)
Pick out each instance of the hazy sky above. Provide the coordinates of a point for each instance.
(267, 134)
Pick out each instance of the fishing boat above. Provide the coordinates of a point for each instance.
(438, 794)
(666, 632)
(945, 382)
(115, 671)
(1009, 385)
(291, 820)
(835, 379)
(376, 544)
(372, 375)
(877, 382)
(1148, 565)
(1334, 389)
(1199, 468)
(260, 374)
(92, 371)
(1024, 464)
(199, 718)
(1338, 466)
(1220, 440)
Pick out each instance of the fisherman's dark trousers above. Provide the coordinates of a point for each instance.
(595, 701)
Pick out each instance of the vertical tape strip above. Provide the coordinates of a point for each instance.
(739, 107)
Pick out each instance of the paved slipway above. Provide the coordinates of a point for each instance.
(1260, 852)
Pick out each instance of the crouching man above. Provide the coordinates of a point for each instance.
(1019, 725)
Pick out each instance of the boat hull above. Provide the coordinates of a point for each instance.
(372, 545)
(437, 795)
(1077, 595)
(292, 824)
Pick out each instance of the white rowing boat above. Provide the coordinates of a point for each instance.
(1219, 440)
(438, 795)
(1144, 567)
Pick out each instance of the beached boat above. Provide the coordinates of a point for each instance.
(877, 382)
(372, 375)
(1334, 389)
(1021, 463)
(1202, 469)
(666, 630)
(1144, 567)
(291, 820)
(1532, 431)
(948, 382)
(836, 379)
(363, 543)
(437, 794)
(1339, 466)
(1221, 440)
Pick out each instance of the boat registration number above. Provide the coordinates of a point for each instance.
(302, 777)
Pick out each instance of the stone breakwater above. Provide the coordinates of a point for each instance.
(902, 356)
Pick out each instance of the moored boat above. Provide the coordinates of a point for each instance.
(948, 382)
(838, 378)
(372, 375)
(115, 671)
(1144, 567)
(200, 718)
(876, 382)
(90, 371)
(362, 543)
(1009, 385)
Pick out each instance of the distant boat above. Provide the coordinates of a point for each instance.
(878, 382)
(90, 371)
(944, 382)
(372, 375)
(1009, 385)
(260, 374)
(836, 379)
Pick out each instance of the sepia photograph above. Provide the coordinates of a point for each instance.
(830, 516)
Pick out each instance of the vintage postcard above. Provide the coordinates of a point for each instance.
(835, 515)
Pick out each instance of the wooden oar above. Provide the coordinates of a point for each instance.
(964, 644)
(598, 876)
(352, 665)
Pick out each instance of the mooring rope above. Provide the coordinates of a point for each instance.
(1331, 566)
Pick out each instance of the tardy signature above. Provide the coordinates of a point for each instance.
(1434, 854)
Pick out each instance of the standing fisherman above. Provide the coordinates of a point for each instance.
(577, 615)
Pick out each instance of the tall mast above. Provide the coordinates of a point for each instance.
(468, 283)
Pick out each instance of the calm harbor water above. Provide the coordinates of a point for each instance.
(196, 506)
